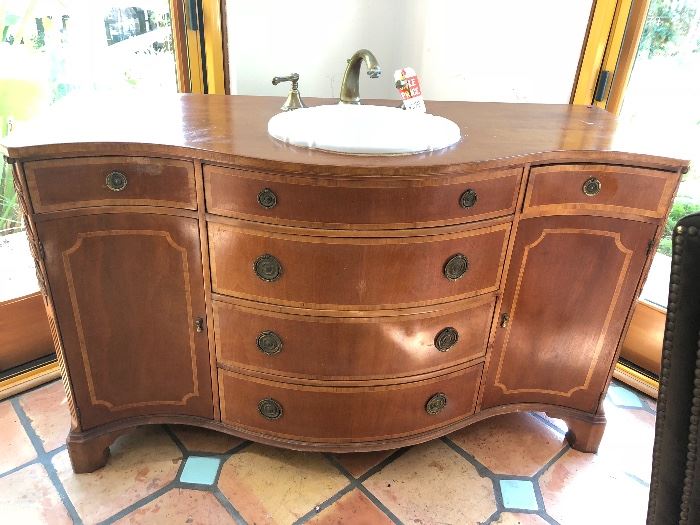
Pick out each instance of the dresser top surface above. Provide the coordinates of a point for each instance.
(222, 128)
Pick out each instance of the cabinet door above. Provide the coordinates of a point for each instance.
(128, 290)
(569, 289)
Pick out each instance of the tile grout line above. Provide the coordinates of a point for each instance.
(496, 478)
(324, 505)
(536, 483)
(483, 472)
(358, 482)
(178, 443)
(214, 487)
(551, 425)
(228, 506)
(148, 498)
(552, 461)
(637, 479)
(20, 467)
(44, 458)
(138, 504)
(492, 518)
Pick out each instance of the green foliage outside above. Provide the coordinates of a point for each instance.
(681, 208)
(10, 216)
(34, 54)
(668, 22)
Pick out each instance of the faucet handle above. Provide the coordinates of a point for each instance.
(293, 78)
(294, 98)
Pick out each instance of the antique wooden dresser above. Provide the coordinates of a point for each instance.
(197, 271)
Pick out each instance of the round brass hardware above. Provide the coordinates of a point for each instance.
(446, 339)
(267, 198)
(468, 198)
(591, 187)
(436, 403)
(116, 181)
(455, 267)
(269, 408)
(268, 268)
(269, 343)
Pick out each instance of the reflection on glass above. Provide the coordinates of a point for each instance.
(53, 49)
(663, 88)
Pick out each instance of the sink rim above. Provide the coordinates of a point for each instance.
(317, 119)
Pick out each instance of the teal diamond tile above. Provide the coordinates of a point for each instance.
(622, 397)
(200, 469)
(518, 494)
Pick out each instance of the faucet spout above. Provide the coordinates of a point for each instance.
(350, 88)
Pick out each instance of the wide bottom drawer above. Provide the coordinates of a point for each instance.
(346, 414)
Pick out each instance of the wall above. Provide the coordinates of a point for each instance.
(504, 50)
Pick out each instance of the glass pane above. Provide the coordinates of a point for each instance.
(491, 51)
(663, 89)
(54, 49)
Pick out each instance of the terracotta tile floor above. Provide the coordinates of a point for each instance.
(512, 469)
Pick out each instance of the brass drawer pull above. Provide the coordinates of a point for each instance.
(267, 198)
(468, 198)
(270, 409)
(455, 267)
(446, 339)
(268, 268)
(592, 187)
(116, 181)
(436, 403)
(269, 343)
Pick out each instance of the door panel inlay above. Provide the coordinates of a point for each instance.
(119, 266)
(552, 345)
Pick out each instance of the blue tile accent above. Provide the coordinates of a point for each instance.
(200, 470)
(623, 397)
(518, 494)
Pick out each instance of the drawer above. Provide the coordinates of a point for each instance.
(298, 200)
(359, 347)
(355, 273)
(346, 414)
(65, 184)
(599, 187)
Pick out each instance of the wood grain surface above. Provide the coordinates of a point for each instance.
(233, 129)
(326, 347)
(347, 414)
(156, 308)
(65, 184)
(127, 290)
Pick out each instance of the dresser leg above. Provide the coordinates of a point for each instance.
(585, 435)
(90, 455)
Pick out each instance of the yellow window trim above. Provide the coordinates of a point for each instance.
(628, 52)
(602, 47)
(187, 42)
(214, 46)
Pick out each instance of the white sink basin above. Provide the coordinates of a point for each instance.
(363, 129)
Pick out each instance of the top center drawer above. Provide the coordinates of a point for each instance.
(342, 203)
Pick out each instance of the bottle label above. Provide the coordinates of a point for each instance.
(409, 88)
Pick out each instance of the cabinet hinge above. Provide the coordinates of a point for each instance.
(650, 245)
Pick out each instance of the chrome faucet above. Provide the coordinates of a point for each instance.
(350, 88)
